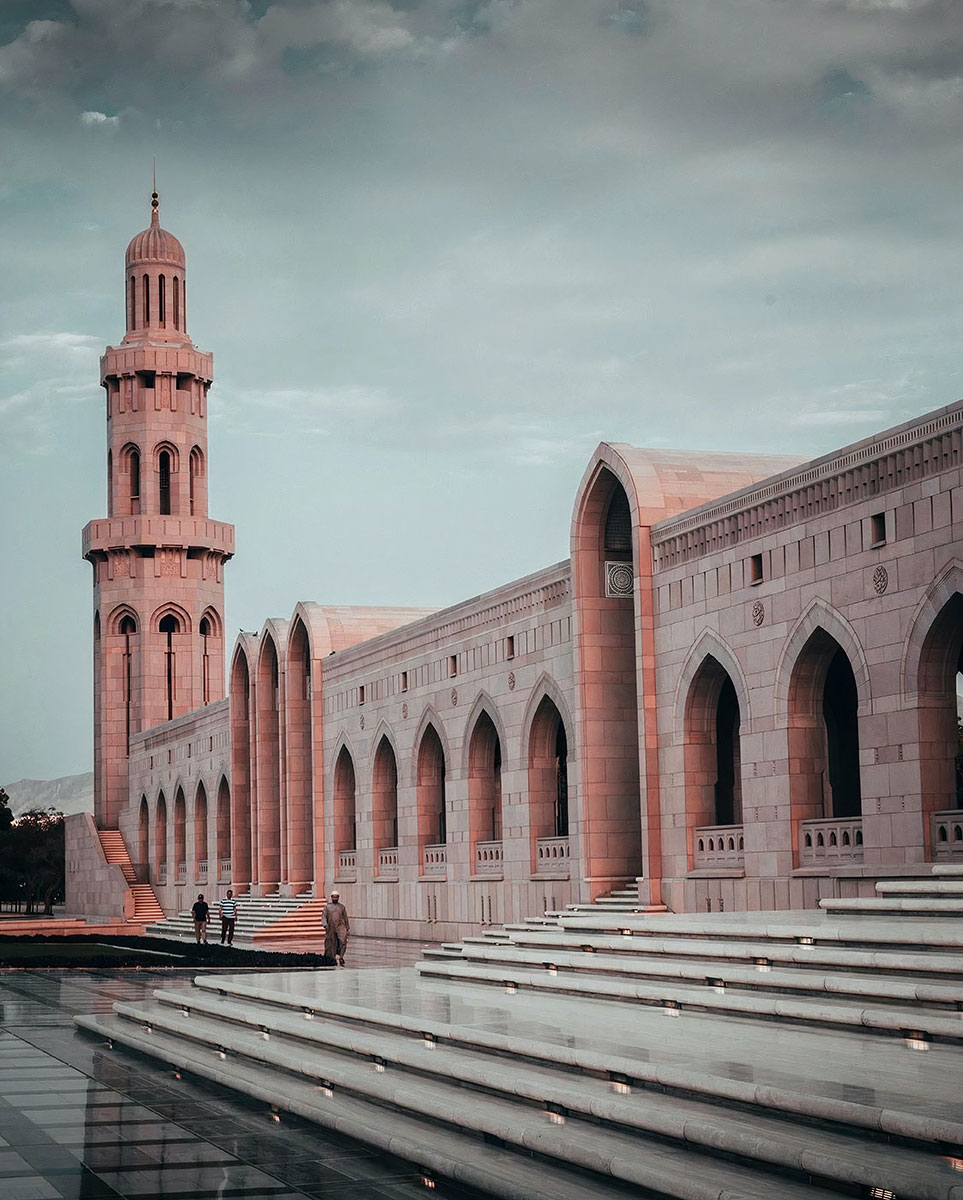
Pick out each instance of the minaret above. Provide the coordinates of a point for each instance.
(158, 559)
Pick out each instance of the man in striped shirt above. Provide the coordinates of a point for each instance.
(228, 911)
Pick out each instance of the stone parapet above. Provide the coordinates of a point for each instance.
(109, 533)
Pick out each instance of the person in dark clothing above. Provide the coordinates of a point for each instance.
(201, 913)
(336, 928)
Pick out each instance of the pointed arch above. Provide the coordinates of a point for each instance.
(200, 831)
(181, 616)
(267, 739)
(545, 685)
(485, 751)
(483, 703)
(242, 763)
(222, 833)
(299, 747)
(180, 835)
(384, 790)
(431, 784)
(117, 618)
(932, 683)
(710, 643)
(820, 616)
(160, 832)
(429, 716)
(143, 831)
(344, 791)
(548, 752)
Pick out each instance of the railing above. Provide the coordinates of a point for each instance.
(388, 862)
(162, 872)
(551, 856)
(717, 846)
(436, 860)
(182, 872)
(224, 872)
(347, 864)
(946, 831)
(830, 841)
(202, 870)
(488, 858)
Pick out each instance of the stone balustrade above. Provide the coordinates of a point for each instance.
(552, 856)
(225, 870)
(202, 871)
(946, 832)
(830, 841)
(347, 864)
(488, 858)
(436, 860)
(718, 846)
(162, 872)
(182, 872)
(388, 862)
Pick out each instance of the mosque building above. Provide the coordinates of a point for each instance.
(738, 693)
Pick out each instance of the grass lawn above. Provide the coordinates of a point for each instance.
(79, 950)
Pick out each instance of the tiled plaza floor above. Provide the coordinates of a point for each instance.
(80, 1121)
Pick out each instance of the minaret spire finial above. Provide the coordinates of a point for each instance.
(154, 202)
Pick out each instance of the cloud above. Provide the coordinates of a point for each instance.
(99, 120)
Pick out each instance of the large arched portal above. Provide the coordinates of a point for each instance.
(268, 740)
(180, 837)
(240, 867)
(606, 576)
(345, 806)
(298, 745)
(384, 807)
(223, 832)
(200, 832)
(160, 838)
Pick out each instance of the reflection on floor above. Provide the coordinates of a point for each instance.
(78, 1120)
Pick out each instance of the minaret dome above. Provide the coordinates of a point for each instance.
(156, 293)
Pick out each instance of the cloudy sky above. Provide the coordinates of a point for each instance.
(440, 249)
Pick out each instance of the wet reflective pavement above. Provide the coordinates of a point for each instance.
(79, 1120)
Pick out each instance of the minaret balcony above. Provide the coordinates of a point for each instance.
(110, 533)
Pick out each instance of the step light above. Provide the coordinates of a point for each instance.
(806, 941)
(176, 1074)
(379, 1065)
(626, 932)
(717, 985)
(325, 1088)
(265, 1033)
(185, 1012)
(308, 1014)
(878, 1193)
(955, 1164)
(671, 1008)
(110, 1044)
(275, 1115)
(511, 987)
(551, 968)
(428, 1182)
(429, 1039)
(221, 1053)
(555, 1114)
(620, 1085)
(762, 964)
(148, 1029)
(916, 1039)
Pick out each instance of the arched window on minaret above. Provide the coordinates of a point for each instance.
(110, 483)
(128, 627)
(133, 467)
(164, 482)
(196, 471)
(177, 302)
(169, 625)
(131, 304)
(161, 300)
(205, 630)
(146, 300)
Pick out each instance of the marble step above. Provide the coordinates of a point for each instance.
(896, 1021)
(495, 1105)
(756, 978)
(819, 927)
(920, 887)
(895, 906)
(924, 964)
(945, 869)
(437, 1152)
(789, 1069)
(750, 1136)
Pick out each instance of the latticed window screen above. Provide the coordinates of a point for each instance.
(618, 525)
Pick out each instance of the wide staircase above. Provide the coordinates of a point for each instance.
(146, 906)
(613, 1054)
(259, 919)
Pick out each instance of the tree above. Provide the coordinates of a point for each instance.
(32, 859)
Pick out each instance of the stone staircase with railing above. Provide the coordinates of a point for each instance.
(614, 1053)
(146, 907)
(259, 919)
